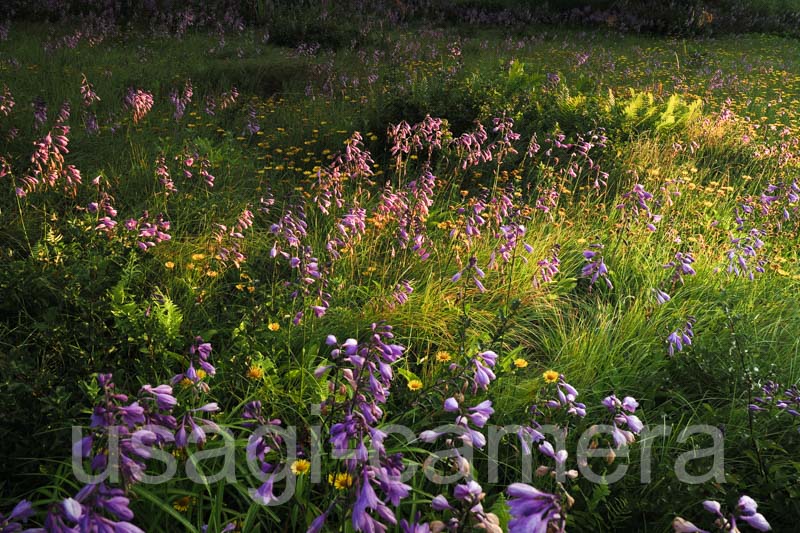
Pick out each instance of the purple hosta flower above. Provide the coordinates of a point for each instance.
(681, 266)
(200, 353)
(139, 102)
(565, 400)
(162, 173)
(367, 499)
(483, 363)
(553, 78)
(366, 370)
(547, 201)
(415, 526)
(533, 146)
(504, 145)
(96, 507)
(422, 136)
(149, 233)
(635, 202)
(252, 127)
(746, 511)
(472, 270)
(477, 415)
(181, 101)
(264, 446)
(474, 220)
(547, 268)
(595, 268)
(782, 198)
(87, 92)
(534, 511)
(90, 119)
(6, 101)
(660, 296)
(205, 166)
(63, 113)
(412, 229)
(228, 98)
(471, 147)
(787, 401)
(623, 416)
(39, 112)
(192, 425)
(350, 229)
(681, 337)
(18, 516)
(48, 162)
(744, 251)
(355, 164)
(129, 422)
(401, 292)
(369, 374)
(228, 241)
(211, 105)
(511, 236)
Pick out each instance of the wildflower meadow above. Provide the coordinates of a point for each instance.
(399, 266)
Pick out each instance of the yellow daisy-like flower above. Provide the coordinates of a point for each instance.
(198, 257)
(170, 265)
(520, 363)
(255, 372)
(212, 273)
(182, 504)
(414, 385)
(551, 376)
(273, 326)
(201, 374)
(300, 467)
(340, 481)
(442, 356)
(186, 383)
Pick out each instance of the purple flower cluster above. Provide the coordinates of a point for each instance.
(48, 163)
(547, 268)
(407, 139)
(18, 516)
(744, 252)
(534, 511)
(149, 233)
(681, 337)
(181, 101)
(477, 415)
(595, 268)
(39, 112)
(623, 416)
(163, 175)
(228, 240)
(471, 147)
(787, 401)
(96, 507)
(6, 101)
(746, 511)
(472, 269)
(367, 372)
(681, 266)
(199, 352)
(139, 102)
(635, 202)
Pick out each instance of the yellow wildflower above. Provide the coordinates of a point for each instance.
(300, 467)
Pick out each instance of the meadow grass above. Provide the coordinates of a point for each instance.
(77, 301)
